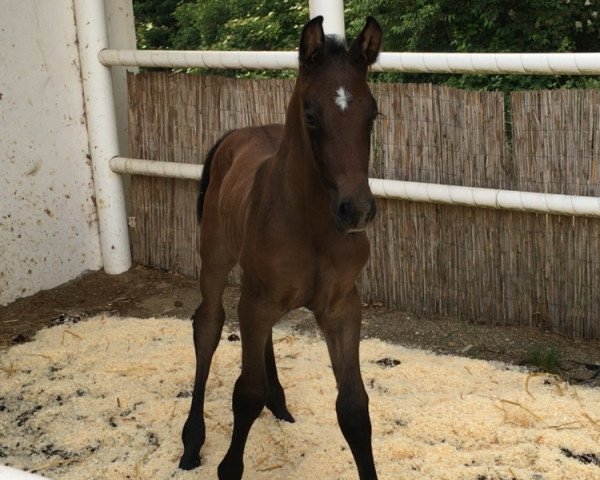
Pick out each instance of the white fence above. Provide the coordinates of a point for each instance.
(473, 63)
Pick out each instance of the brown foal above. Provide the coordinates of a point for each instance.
(290, 203)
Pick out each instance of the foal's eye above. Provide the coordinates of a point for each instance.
(310, 119)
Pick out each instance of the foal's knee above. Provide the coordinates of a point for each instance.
(207, 323)
(207, 311)
(249, 399)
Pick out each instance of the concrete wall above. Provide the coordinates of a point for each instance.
(48, 224)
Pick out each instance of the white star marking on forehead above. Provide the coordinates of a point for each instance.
(343, 98)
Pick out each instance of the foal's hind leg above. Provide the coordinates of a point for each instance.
(208, 323)
(342, 334)
(252, 387)
(276, 398)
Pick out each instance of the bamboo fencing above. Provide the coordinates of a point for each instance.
(481, 265)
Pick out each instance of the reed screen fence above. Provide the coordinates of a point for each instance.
(488, 266)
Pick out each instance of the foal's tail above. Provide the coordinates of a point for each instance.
(205, 178)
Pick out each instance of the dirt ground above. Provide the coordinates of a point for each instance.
(143, 292)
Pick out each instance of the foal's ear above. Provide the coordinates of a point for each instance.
(312, 41)
(367, 45)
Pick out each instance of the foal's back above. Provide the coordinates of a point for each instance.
(232, 174)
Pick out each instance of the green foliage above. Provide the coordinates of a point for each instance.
(544, 359)
(490, 26)
(409, 25)
(239, 24)
(155, 24)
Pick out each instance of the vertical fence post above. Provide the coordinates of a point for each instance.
(92, 36)
(333, 15)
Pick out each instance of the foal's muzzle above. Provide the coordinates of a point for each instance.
(352, 215)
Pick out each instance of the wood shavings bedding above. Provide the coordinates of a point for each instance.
(106, 399)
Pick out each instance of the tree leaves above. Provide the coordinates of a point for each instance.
(408, 25)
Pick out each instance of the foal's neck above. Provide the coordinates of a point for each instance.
(300, 169)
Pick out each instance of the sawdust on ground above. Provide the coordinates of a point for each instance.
(106, 398)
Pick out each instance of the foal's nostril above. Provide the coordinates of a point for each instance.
(353, 215)
(345, 210)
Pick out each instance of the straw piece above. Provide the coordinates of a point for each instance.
(517, 404)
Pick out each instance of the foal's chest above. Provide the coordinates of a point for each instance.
(294, 273)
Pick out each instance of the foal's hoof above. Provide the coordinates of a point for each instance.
(280, 411)
(285, 416)
(230, 470)
(189, 462)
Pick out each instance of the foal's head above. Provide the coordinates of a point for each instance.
(338, 111)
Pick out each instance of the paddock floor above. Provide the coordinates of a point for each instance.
(143, 292)
(45, 378)
(105, 398)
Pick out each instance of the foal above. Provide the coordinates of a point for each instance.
(290, 203)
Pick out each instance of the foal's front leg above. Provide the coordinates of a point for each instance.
(251, 389)
(341, 328)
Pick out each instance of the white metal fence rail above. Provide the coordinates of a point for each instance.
(402, 190)
(474, 63)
